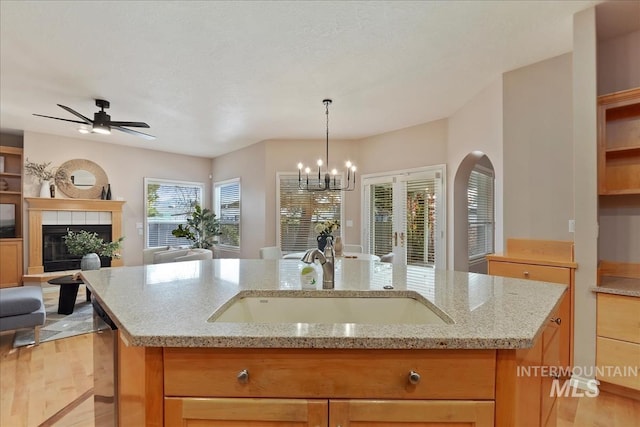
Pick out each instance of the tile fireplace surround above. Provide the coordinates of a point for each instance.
(38, 207)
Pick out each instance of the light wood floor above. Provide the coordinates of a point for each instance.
(52, 384)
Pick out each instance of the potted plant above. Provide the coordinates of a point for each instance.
(44, 174)
(202, 228)
(91, 248)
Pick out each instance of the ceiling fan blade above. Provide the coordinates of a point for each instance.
(75, 113)
(64, 120)
(134, 132)
(129, 124)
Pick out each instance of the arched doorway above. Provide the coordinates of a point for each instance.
(473, 212)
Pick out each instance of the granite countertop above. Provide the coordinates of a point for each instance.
(618, 286)
(168, 305)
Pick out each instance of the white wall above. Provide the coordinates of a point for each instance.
(538, 150)
(126, 168)
(585, 188)
(247, 164)
(477, 126)
(619, 63)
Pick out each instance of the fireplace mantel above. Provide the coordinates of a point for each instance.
(37, 205)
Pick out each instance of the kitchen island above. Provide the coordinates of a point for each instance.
(175, 365)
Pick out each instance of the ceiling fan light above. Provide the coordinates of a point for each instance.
(83, 130)
(101, 129)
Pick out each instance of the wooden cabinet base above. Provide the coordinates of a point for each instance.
(321, 413)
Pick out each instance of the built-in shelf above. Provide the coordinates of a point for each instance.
(619, 143)
(10, 175)
(12, 193)
(634, 149)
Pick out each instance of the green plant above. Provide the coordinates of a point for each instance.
(84, 242)
(201, 228)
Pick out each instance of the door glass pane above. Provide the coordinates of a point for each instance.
(420, 225)
(381, 218)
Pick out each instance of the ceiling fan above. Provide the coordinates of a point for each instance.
(102, 122)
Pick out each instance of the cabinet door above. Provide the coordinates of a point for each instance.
(410, 413)
(11, 265)
(202, 412)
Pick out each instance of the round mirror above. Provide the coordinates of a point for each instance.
(81, 179)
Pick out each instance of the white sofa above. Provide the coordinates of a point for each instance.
(163, 254)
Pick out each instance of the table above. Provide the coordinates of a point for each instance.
(347, 255)
(68, 292)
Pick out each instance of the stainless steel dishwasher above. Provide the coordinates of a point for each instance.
(105, 362)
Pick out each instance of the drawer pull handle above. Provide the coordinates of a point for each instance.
(414, 377)
(243, 376)
(556, 320)
(526, 274)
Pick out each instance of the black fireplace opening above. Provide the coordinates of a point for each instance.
(55, 256)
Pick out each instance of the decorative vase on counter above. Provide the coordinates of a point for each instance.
(337, 246)
(52, 191)
(108, 192)
(44, 189)
(90, 262)
(322, 241)
(103, 194)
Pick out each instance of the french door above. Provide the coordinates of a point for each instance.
(404, 213)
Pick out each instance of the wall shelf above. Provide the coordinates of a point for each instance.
(619, 143)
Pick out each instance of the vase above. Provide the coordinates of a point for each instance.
(52, 191)
(44, 190)
(108, 197)
(337, 246)
(322, 241)
(90, 262)
(103, 194)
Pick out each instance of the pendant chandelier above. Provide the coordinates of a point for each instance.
(329, 180)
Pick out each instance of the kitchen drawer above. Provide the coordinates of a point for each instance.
(316, 373)
(542, 273)
(622, 355)
(619, 317)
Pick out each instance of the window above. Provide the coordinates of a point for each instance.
(227, 209)
(169, 203)
(480, 213)
(299, 210)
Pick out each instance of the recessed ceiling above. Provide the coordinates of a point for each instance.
(212, 77)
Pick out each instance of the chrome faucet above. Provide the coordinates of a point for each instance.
(327, 260)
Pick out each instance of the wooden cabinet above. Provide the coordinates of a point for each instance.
(10, 216)
(316, 413)
(546, 261)
(619, 143)
(329, 387)
(11, 264)
(618, 340)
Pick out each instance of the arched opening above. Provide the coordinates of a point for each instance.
(473, 213)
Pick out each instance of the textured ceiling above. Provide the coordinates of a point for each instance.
(212, 77)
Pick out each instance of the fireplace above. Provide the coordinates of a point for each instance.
(55, 256)
(68, 213)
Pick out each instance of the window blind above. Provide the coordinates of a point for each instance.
(169, 203)
(480, 213)
(300, 210)
(420, 221)
(381, 218)
(227, 201)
